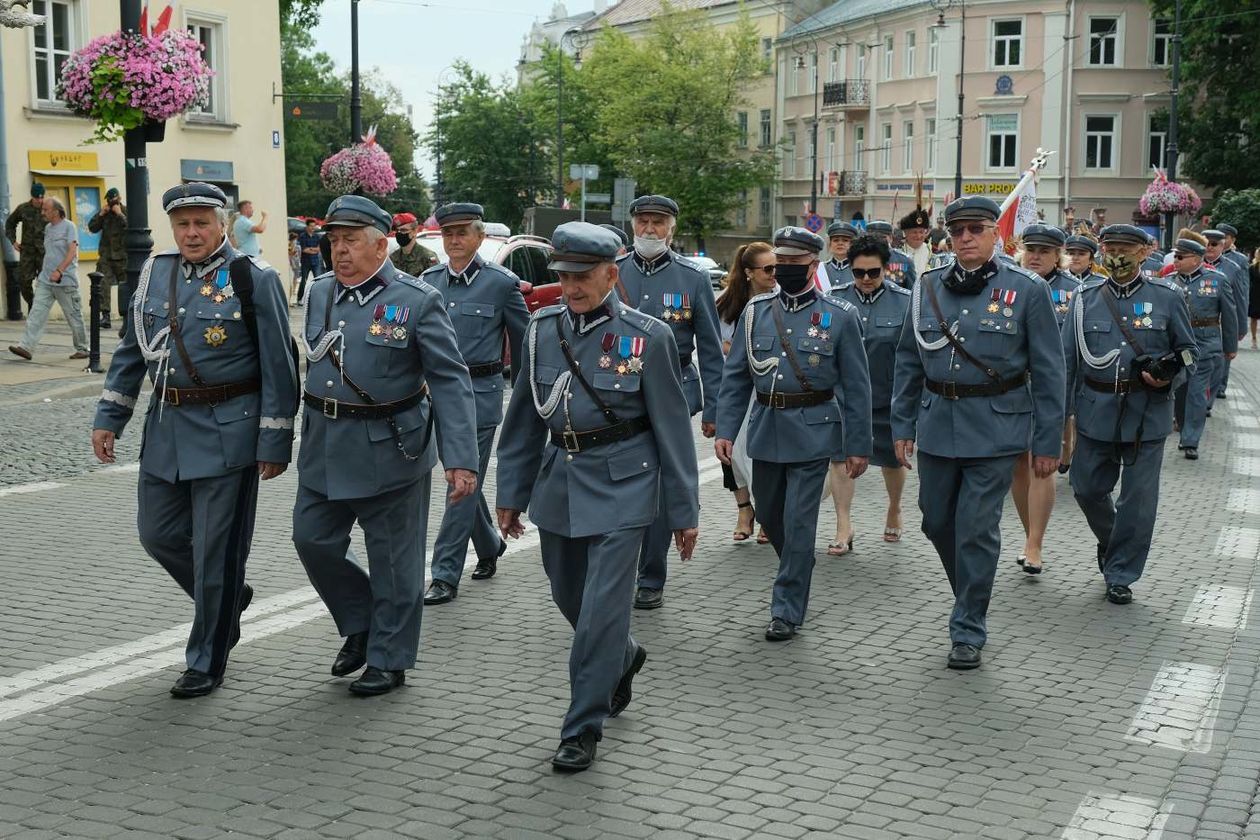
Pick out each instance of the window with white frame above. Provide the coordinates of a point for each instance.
(1156, 142)
(911, 49)
(833, 64)
(764, 138)
(210, 34)
(934, 49)
(793, 74)
(830, 161)
(54, 39)
(767, 52)
(861, 62)
(885, 147)
(888, 57)
(1161, 42)
(1100, 141)
(741, 212)
(763, 209)
(1003, 141)
(1104, 40)
(929, 147)
(859, 147)
(1008, 43)
(907, 156)
(789, 154)
(741, 119)
(813, 72)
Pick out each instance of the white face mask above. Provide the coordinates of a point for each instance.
(649, 247)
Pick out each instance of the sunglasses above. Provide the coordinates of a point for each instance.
(1177, 255)
(769, 268)
(975, 229)
(864, 273)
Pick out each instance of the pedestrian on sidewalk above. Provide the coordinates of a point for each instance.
(246, 230)
(312, 263)
(111, 223)
(30, 247)
(57, 280)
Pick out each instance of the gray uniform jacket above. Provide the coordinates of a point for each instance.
(838, 272)
(833, 359)
(1239, 285)
(612, 486)
(1204, 297)
(394, 338)
(203, 441)
(484, 304)
(1063, 287)
(881, 315)
(680, 294)
(901, 269)
(1026, 340)
(1096, 348)
(1244, 266)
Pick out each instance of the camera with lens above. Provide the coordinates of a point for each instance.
(1162, 368)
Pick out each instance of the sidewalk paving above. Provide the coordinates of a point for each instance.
(52, 366)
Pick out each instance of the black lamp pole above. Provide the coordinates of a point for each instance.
(139, 238)
(962, 69)
(1172, 151)
(560, 124)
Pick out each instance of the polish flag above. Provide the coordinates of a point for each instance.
(1019, 210)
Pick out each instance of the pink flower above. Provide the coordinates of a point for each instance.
(364, 166)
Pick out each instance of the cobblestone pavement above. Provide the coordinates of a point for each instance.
(1086, 721)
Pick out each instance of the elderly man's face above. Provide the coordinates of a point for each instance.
(916, 236)
(585, 290)
(198, 232)
(1214, 249)
(461, 241)
(356, 253)
(973, 241)
(49, 211)
(659, 225)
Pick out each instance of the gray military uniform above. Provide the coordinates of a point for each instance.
(839, 273)
(1215, 326)
(485, 305)
(1063, 287)
(593, 506)
(1238, 281)
(393, 339)
(198, 482)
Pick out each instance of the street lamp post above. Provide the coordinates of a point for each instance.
(139, 238)
(942, 6)
(356, 100)
(1172, 150)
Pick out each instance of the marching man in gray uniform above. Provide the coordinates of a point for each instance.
(979, 381)
(654, 280)
(839, 236)
(1126, 339)
(900, 265)
(211, 330)
(485, 305)
(604, 390)
(383, 368)
(802, 352)
(1215, 326)
(1239, 291)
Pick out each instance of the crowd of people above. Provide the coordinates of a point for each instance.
(989, 373)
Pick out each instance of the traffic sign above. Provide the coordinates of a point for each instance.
(598, 198)
(814, 222)
(580, 171)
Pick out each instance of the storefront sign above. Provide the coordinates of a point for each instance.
(220, 171)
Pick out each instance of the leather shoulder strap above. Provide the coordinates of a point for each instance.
(777, 310)
(1109, 297)
(954, 342)
(609, 414)
(177, 327)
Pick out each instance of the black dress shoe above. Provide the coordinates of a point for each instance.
(621, 696)
(247, 598)
(105, 324)
(375, 681)
(487, 567)
(1119, 594)
(195, 684)
(440, 592)
(779, 630)
(352, 656)
(575, 754)
(648, 599)
(1192, 453)
(964, 657)
(1221, 396)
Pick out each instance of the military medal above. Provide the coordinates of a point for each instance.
(993, 307)
(216, 335)
(399, 333)
(1008, 301)
(606, 344)
(814, 359)
(668, 314)
(635, 364)
(812, 332)
(1143, 312)
(686, 307)
(219, 289)
(376, 329)
(207, 290)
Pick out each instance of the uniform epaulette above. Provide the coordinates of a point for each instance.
(838, 303)
(1093, 282)
(1166, 283)
(548, 311)
(686, 263)
(764, 296)
(413, 282)
(436, 267)
(896, 289)
(1030, 275)
(495, 268)
(638, 319)
(169, 252)
(843, 286)
(941, 267)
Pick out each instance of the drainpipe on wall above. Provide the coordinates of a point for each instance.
(1069, 61)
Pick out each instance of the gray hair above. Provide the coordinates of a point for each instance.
(478, 225)
(221, 215)
(374, 234)
(57, 205)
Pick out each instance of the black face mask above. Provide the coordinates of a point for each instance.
(403, 239)
(964, 282)
(793, 279)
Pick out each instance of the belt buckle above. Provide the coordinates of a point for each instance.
(172, 396)
(331, 415)
(778, 400)
(949, 390)
(571, 441)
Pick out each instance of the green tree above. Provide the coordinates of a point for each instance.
(665, 111)
(300, 14)
(1218, 131)
(1240, 208)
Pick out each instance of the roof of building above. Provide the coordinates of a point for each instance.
(634, 11)
(845, 11)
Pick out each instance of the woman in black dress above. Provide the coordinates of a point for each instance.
(1253, 306)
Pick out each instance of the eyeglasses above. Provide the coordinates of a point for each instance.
(769, 268)
(974, 228)
(1177, 255)
(864, 273)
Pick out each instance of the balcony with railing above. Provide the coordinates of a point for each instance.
(847, 93)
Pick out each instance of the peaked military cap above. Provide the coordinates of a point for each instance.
(580, 246)
(972, 208)
(194, 194)
(654, 204)
(37, 190)
(1214, 235)
(619, 233)
(1081, 243)
(879, 226)
(112, 192)
(1039, 234)
(1229, 230)
(1123, 235)
(357, 211)
(838, 228)
(1189, 246)
(918, 218)
(794, 241)
(459, 213)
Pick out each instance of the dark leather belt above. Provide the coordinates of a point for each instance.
(210, 394)
(1206, 322)
(339, 409)
(580, 441)
(955, 391)
(781, 400)
(488, 369)
(1124, 386)
(684, 361)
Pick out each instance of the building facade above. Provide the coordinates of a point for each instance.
(1086, 80)
(235, 139)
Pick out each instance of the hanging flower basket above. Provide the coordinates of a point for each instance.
(128, 79)
(1164, 196)
(363, 167)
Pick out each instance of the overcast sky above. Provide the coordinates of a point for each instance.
(412, 41)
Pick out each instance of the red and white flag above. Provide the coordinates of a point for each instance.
(1019, 210)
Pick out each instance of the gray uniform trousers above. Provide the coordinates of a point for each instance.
(961, 500)
(787, 507)
(592, 582)
(1191, 399)
(200, 530)
(387, 603)
(465, 519)
(1124, 527)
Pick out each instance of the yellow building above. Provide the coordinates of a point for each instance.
(234, 140)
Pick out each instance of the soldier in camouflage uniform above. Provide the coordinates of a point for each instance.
(111, 223)
(411, 257)
(31, 246)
